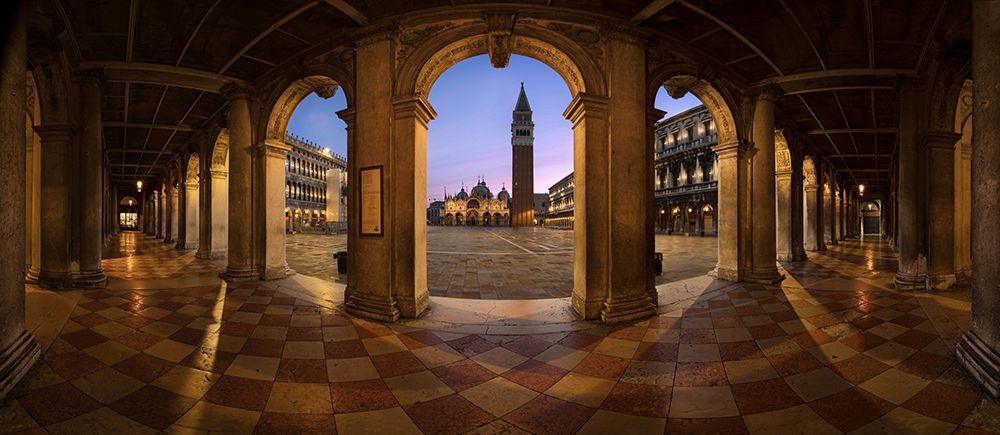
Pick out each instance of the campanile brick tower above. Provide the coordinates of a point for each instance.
(522, 141)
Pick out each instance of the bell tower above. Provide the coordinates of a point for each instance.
(522, 141)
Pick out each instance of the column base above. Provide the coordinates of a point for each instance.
(941, 282)
(628, 310)
(799, 254)
(189, 245)
(981, 362)
(203, 255)
(31, 276)
(414, 308)
(725, 274)
(16, 360)
(55, 281)
(963, 276)
(763, 276)
(90, 279)
(910, 282)
(587, 309)
(238, 274)
(372, 307)
(279, 272)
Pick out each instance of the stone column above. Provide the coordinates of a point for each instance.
(271, 175)
(784, 203)
(18, 350)
(173, 198)
(91, 171)
(372, 294)
(55, 218)
(241, 210)
(352, 214)
(411, 116)
(730, 170)
(798, 249)
(161, 213)
(191, 215)
(912, 271)
(588, 114)
(813, 174)
(963, 209)
(33, 225)
(940, 179)
(829, 211)
(979, 349)
(763, 268)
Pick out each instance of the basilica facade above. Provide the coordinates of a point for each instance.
(477, 207)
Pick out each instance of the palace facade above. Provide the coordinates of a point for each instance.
(315, 187)
(686, 186)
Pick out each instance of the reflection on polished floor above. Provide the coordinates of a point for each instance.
(833, 349)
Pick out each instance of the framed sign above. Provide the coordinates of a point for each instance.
(371, 201)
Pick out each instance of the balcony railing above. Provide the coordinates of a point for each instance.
(703, 141)
(688, 188)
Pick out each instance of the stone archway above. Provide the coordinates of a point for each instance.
(271, 158)
(608, 282)
(214, 233)
(731, 168)
(188, 238)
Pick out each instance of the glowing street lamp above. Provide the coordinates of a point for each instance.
(861, 189)
(138, 185)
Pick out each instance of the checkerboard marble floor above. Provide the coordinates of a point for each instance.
(841, 353)
(136, 256)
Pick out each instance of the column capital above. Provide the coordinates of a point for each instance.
(940, 139)
(730, 149)
(55, 132)
(90, 76)
(234, 91)
(373, 34)
(273, 148)
(348, 115)
(654, 115)
(769, 92)
(413, 106)
(585, 105)
(218, 174)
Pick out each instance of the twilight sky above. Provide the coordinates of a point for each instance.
(471, 135)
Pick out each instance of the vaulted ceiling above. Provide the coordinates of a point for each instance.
(838, 61)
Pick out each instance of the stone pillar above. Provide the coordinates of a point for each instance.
(91, 171)
(411, 116)
(589, 116)
(33, 187)
(55, 217)
(813, 179)
(798, 249)
(352, 215)
(371, 295)
(963, 210)
(18, 350)
(829, 211)
(730, 170)
(784, 202)
(191, 215)
(173, 200)
(940, 179)
(241, 210)
(912, 271)
(161, 212)
(979, 349)
(763, 268)
(112, 212)
(271, 192)
(631, 290)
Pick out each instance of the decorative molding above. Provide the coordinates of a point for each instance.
(410, 38)
(588, 37)
(499, 32)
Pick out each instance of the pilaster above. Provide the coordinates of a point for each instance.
(940, 149)
(240, 242)
(55, 261)
(271, 214)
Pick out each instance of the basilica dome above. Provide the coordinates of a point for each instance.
(503, 195)
(462, 194)
(482, 191)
